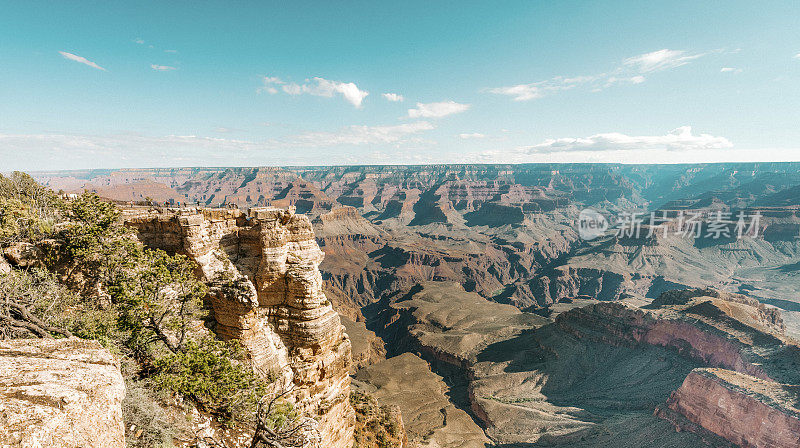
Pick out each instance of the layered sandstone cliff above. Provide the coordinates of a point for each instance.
(60, 393)
(747, 411)
(266, 291)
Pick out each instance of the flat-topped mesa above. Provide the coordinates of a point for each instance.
(266, 291)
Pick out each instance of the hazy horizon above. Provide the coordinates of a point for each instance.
(222, 167)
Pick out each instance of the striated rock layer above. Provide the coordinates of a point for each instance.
(748, 393)
(747, 411)
(60, 393)
(266, 291)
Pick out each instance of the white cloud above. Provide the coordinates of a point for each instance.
(637, 79)
(632, 71)
(520, 92)
(162, 68)
(393, 97)
(471, 135)
(437, 110)
(171, 51)
(797, 56)
(730, 70)
(680, 139)
(273, 80)
(317, 87)
(82, 60)
(139, 41)
(660, 60)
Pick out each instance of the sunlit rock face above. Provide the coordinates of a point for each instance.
(266, 291)
(60, 393)
(747, 411)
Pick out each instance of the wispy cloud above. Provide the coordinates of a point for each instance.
(797, 56)
(437, 110)
(631, 71)
(162, 68)
(393, 97)
(80, 59)
(318, 87)
(472, 135)
(660, 60)
(680, 139)
(171, 51)
(139, 41)
(730, 70)
(522, 92)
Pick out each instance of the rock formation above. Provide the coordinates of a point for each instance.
(23, 255)
(266, 291)
(710, 363)
(504, 231)
(748, 393)
(368, 348)
(747, 411)
(60, 393)
(525, 380)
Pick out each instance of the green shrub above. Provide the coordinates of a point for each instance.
(151, 314)
(158, 301)
(206, 372)
(94, 241)
(28, 211)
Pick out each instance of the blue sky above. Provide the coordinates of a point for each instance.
(140, 84)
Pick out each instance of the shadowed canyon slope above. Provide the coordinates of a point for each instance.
(609, 374)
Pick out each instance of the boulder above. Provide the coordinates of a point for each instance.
(24, 255)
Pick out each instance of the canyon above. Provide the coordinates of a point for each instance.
(464, 297)
(506, 232)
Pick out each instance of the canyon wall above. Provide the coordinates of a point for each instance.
(748, 393)
(266, 291)
(726, 404)
(617, 324)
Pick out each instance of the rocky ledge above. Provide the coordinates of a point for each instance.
(60, 393)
